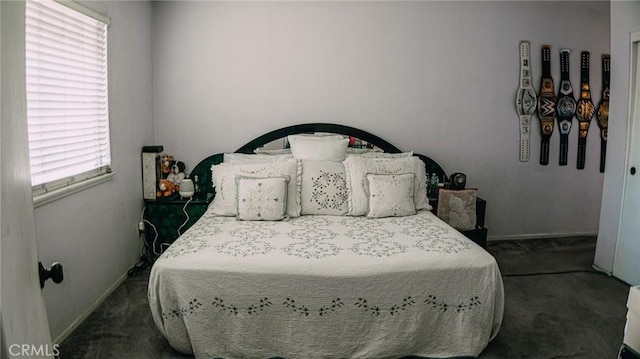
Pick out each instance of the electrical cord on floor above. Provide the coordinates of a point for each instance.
(146, 260)
(590, 271)
(148, 255)
(138, 268)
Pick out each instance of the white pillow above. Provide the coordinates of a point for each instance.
(238, 158)
(323, 187)
(318, 148)
(282, 151)
(391, 195)
(225, 201)
(262, 198)
(357, 168)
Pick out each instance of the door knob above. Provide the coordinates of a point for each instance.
(55, 273)
(633, 171)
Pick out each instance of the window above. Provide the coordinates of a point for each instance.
(67, 95)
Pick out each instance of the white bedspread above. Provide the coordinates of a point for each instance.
(326, 287)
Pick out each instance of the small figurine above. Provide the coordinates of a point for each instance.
(166, 188)
(176, 174)
(165, 164)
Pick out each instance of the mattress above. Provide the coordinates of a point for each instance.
(326, 287)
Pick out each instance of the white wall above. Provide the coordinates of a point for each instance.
(438, 78)
(626, 15)
(94, 233)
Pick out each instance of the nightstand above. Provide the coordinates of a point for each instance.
(478, 234)
(165, 217)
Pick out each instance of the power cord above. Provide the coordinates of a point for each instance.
(184, 209)
(139, 267)
(155, 238)
(147, 255)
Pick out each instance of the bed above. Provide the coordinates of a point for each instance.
(390, 285)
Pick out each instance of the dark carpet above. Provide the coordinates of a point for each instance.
(556, 306)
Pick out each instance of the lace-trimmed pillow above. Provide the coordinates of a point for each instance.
(358, 167)
(318, 148)
(323, 187)
(391, 195)
(262, 198)
(225, 201)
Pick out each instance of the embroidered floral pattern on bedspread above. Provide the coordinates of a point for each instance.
(191, 308)
(312, 244)
(311, 222)
(316, 237)
(298, 308)
(312, 250)
(362, 223)
(255, 308)
(446, 245)
(444, 306)
(377, 248)
(194, 240)
(371, 234)
(323, 278)
(181, 248)
(244, 248)
(436, 239)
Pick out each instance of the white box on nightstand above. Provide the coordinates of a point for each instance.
(632, 329)
(151, 170)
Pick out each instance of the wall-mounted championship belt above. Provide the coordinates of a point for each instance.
(603, 109)
(584, 109)
(525, 101)
(546, 105)
(566, 107)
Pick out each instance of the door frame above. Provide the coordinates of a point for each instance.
(24, 326)
(633, 125)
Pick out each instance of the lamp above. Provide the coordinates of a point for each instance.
(186, 188)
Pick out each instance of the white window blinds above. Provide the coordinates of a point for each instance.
(67, 96)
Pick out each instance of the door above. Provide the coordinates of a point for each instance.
(23, 318)
(626, 262)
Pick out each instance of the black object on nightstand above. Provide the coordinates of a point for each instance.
(165, 219)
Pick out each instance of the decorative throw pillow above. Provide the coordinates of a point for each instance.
(262, 198)
(225, 201)
(391, 195)
(243, 158)
(357, 168)
(323, 187)
(318, 148)
(458, 208)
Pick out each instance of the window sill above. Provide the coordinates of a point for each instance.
(55, 195)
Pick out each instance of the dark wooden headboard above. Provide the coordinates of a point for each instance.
(203, 169)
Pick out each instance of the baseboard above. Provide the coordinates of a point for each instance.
(91, 309)
(602, 270)
(541, 236)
